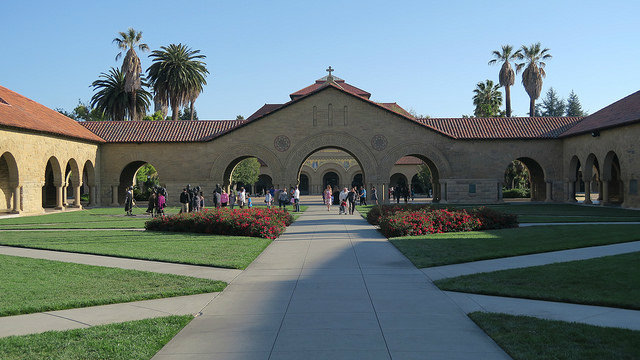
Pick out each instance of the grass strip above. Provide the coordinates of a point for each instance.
(36, 285)
(527, 338)
(139, 339)
(454, 248)
(607, 281)
(234, 252)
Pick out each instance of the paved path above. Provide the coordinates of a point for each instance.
(514, 262)
(331, 288)
(204, 272)
(104, 314)
(586, 314)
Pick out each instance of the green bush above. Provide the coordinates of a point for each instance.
(516, 193)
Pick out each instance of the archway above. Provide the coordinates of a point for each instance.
(9, 184)
(357, 181)
(427, 176)
(142, 175)
(591, 178)
(304, 185)
(333, 166)
(330, 178)
(88, 189)
(71, 185)
(246, 171)
(524, 178)
(265, 182)
(52, 187)
(612, 183)
(576, 184)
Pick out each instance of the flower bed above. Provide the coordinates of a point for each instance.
(256, 222)
(397, 221)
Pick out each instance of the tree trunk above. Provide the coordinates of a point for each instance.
(132, 106)
(532, 107)
(191, 109)
(174, 112)
(507, 93)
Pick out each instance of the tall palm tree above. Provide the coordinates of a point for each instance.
(112, 100)
(534, 72)
(177, 74)
(131, 67)
(487, 99)
(507, 77)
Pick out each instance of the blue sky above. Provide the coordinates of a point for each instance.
(424, 55)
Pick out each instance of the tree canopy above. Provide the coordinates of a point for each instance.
(574, 108)
(532, 75)
(246, 172)
(111, 99)
(506, 76)
(131, 66)
(552, 105)
(487, 99)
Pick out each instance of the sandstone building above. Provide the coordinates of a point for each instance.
(45, 157)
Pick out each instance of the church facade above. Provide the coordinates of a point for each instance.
(45, 156)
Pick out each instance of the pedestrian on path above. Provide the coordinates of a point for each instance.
(129, 202)
(342, 197)
(374, 195)
(296, 198)
(351, 199)
(363, 196)
(184, 201)
(268, 198)
(283, 198)
(328, 197)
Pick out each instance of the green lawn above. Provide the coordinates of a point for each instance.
(534, 213)
(527, 338)
(36, 285)
(607, 281)
(453, 248)
(123, 341)
(199, 249)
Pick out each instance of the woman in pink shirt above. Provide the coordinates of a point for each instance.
(224, 198)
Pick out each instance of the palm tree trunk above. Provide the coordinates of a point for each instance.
(191, 109)
(532, 107)
(507, 92)
(174, 112)
(132, 105)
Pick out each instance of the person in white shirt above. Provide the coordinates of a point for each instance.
(242, 197)
(343, 201)
(296, 197)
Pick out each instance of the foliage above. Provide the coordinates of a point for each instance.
(255, 222)
(487, 99)
(239, 117)
(552, 105)
(177, 75)
(246, 172)
(111, 100)
(156, 116)
(424, 177)
(516, 176)
(532, 75)
(574, 108)
(506, 76)
(516, 193)
(186, 114)
(131, 67)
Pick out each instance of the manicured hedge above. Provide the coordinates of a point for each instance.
(516, 193)
(408, 220)
(256, 222)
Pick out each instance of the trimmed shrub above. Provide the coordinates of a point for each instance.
(374, 214)
(516, 193)
(491, 219)
(256, 222)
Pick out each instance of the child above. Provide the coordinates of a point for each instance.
(267, 199)
(249, 202)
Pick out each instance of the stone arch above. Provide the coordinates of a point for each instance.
(336, 140)
(89, 182)
(592, 181)
(52, 184)
(224, 164)
(425, 152)
(9, 183)
(127, 177)
(613, 185)
(71, 185)
(398, 179)
(537, 178)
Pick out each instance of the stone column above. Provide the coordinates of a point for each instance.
(16, 200)
(600, 186)
(59, 195)
(64, 195)
(114, 195)
(571, 192)
(587, 192)
(76, 197)
(605, 192)
(549, 191)
(93, 191)
(443, 192)
(500, 198)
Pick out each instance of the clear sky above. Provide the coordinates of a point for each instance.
(424, 55)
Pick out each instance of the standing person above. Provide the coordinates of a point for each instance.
(249, 202)
(128, 202)
(152, 202)
(342, 198)
(242, 197)
(195, 203)
(413, 194)
(224, 198)
(268, 198)
(232, 198)
(328, 197)
(296, 198)
(405, 194)
(162, 201)
(363, 196)
(184, 201)
(201, 201)
(397, 193)
(390, 193)
(217, 199)
(351, 199)
(374, 195)
(283, 197)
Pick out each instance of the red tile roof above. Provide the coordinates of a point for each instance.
(321, 82)
(409, 160)
(265, 109)
(397, 108)
(18, 111)
(501, 128)
(160, 131)
(622, 112)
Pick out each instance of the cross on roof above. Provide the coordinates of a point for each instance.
(329, 70)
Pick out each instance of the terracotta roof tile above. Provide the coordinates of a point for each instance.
(160, 131)
(622, 112)
(321, 82)
(18, 111)
(501, 128)
(265, 109)
(409, 160)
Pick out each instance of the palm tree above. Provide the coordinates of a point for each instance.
(131, 66)
(487, 99)
(507, 77)
(177, 74)
(533, 74)
(112, 100)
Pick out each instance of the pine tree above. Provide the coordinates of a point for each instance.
(573, 106)
(552, 105)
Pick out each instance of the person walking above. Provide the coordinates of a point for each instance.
(152, 203)
(224, 198)
(162, 201)
(216, 199)
(249, 202)
(342, 198)
(283, 198)
(232, 198)
(328, 197)
(268, 198)
(374, 195)
(201, 207)
(351, 199)
(363, 196)
(296, 198)
(242, 198)
(128, 202)
(184, 201)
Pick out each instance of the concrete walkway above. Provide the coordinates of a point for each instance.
(514, 262)
(586, 314)
(104, 314)
(205, 272)
(331, 288)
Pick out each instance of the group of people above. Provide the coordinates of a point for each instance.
(284, 198)
(401, 191)
(222, 198)
(157, 201)
(191, 199)
(347, 198)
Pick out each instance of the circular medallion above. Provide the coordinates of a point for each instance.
(379, 142)
(282, 143)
